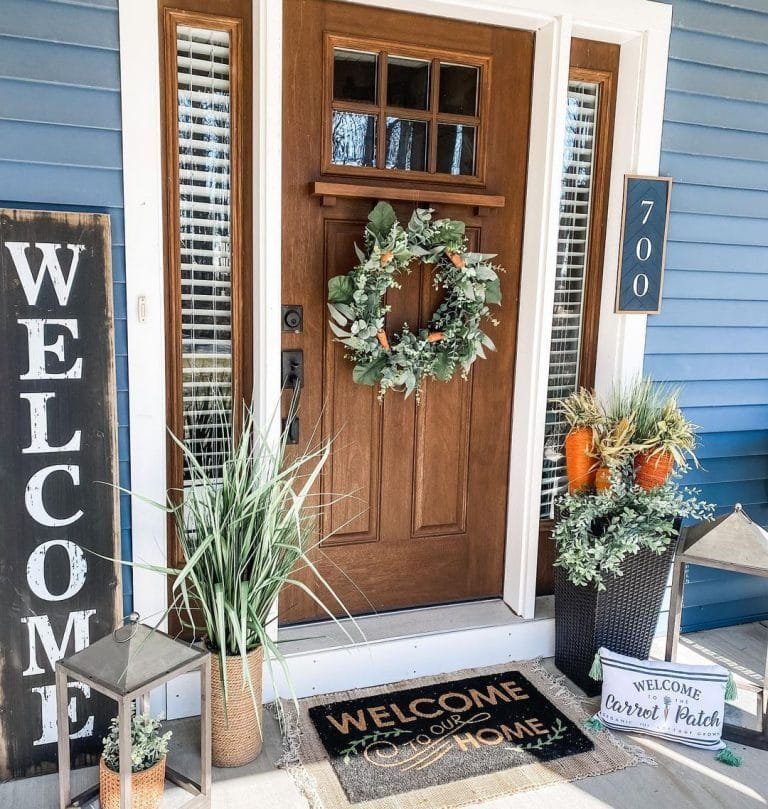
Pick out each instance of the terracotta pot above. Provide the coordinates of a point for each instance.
(602, 479)
(653, 470)
(148, 786)
(579, 464)
(236, 732)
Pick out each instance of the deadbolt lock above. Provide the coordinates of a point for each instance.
(293, 318)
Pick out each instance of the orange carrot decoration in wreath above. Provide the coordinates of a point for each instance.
(456, 260)
(381, 336)
(435, 336)
(386, 258)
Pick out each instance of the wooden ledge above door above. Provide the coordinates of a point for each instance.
(482, 203)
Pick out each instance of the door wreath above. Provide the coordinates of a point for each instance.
(454, 338)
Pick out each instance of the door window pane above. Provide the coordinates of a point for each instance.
(407, 144)
(353, 139)
(408, 83)
(458, 89)
(354, 75)
(456, 149)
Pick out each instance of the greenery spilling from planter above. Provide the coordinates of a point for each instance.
(148, 744)
(596, 531)
(622, 459)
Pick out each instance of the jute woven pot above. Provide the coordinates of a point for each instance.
(148, 786)
(236, 734)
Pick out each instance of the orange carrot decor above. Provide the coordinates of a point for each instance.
(653, 470)
(602, 479)
(435, 336)
(456, 259)
(386, 257)
(579, 464)
(381, 336)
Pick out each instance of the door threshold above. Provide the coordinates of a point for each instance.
(412, 643)
(399, 624)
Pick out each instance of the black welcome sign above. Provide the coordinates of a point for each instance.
(396, 742)
(643, 244)
(57, 449)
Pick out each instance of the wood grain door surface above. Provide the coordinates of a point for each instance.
(426, 520)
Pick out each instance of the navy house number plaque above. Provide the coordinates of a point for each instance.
(643, 244)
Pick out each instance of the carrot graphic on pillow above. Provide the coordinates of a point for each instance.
(667, 703)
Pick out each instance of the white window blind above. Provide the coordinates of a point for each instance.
(203, 76)
(572, 249)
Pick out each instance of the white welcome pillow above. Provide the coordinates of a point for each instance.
(676, 701)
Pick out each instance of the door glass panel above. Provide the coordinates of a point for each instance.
(408, 83)
(407, 144)
(570, 281)
(353, 139)
(456, 149)
(354, 75)
(458, 89)
(203, 76)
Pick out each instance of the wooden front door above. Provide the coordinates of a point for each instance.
(402, 101)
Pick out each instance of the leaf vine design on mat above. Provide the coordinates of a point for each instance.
(556, 733)
(356, 746)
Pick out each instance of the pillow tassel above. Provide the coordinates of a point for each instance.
(731, 692)
(594, 723)
(727, 756)
(596, 672)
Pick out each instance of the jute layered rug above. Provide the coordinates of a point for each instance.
(445, 741)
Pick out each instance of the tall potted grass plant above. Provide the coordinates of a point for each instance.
(244, 525)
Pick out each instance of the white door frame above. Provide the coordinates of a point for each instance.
(641, 28)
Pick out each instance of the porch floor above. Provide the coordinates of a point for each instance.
(684, 778)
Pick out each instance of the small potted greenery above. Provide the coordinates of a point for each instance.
(149, 747)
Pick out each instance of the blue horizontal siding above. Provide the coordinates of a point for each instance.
(85, 25)
(725, 113)
(724, 172)
(60, 146)
(719, 201)
(742, 286)
(712, 334)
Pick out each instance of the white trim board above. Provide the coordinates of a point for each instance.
(641, 28)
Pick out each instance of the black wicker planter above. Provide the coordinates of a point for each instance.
(622, 618)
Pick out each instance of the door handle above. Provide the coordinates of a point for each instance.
(292, 379)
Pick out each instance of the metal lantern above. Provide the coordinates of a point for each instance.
(733, 542)
(126, 666)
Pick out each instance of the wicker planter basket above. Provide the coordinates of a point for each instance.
(148, 786)
(236, 734)
(622, 618)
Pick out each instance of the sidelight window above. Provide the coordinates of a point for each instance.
(207, 325)
(568, 314)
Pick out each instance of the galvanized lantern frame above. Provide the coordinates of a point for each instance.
(113, 667)
(736, 543)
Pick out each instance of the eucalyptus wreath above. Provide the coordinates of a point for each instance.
(453, 338)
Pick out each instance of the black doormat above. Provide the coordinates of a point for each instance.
(394, 742)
